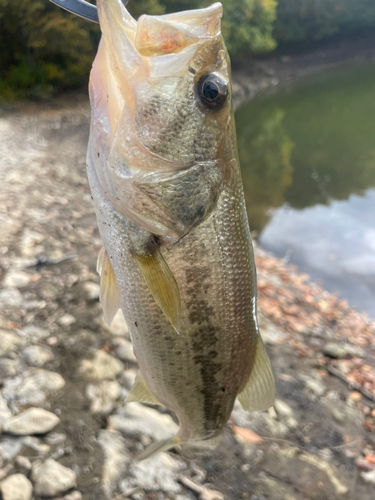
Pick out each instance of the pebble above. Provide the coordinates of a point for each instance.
(32, 387)
(5, 471)
(285, 411)
(23, 462)
(5, 412)
(35, 355)
(29, 246)
(11, 297)
(92, 290)
(123, 349)
(16, 487)
(9, 367)
(315, 385)
(35, 332)
(16, 279)
(10, 342)
(369, 477)
(74, 495)
(157, 473)
(10, 447)
(116, 458)
(101, 366)
(66, 320)
(336, 350)
(128, 377)
(104, 396)
(136, 420)
(51, 478)
(31, 421)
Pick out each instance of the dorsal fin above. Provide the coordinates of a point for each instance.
(109, 296)
(259, 391)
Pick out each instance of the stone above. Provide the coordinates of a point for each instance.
(11, 297)
(74, 495)
(10, 342)
(35, 444)
(16, 487)
(341, 350)
(128, 377)
(66, 320)
(285, 411)
(5, 412)
(116, 458)
(123, 349)
(92, 290)
(23, 462)
(136, 420)
(31, 421)
(157, 473)
(10, 447)
(315, 385)
(32, 387)
(35, 332)
(9, 367)
(369, 476)
(35, 355)
(16, 279)
(103, 396)
(51, 478)
(101, 366)
(29, 245)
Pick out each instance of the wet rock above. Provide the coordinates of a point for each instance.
(103, 396)
(123, 349)
(51, 478)
(16, 487)
(341, 350)
(16, 279)
(116, 458)
(23, 462)
(32, 387)
(38, 356)
(136, 420)
(157, 473)
(101, 366)
(92, 290)
(31, 421)
(66, 320)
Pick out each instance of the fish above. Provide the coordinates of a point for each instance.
(177, 255)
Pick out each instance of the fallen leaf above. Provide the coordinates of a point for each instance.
(246, 434)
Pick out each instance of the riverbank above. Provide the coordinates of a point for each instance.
(283, 67)
(56, 354)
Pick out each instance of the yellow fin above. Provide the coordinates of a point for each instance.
(164, 445)
(109, 296)
(161, 283)
(141, 392)
(259, 391)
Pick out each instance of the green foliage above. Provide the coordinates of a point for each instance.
(316, 19)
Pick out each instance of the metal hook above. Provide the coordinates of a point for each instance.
(80, 8)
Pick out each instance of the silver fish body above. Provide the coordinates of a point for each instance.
(165, 179)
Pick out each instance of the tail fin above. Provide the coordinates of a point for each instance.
(164, 445)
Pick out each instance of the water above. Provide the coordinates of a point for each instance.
(308, 163)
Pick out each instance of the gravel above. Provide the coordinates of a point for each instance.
(31, 421)
(51, 478)
(16, 487)
(102, 366)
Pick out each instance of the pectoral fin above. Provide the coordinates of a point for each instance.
(109, 296)
(259, 391)
(140, 392)
(161, 283)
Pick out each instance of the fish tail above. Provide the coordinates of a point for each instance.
(163, 445)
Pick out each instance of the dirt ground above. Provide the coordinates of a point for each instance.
(56, 353)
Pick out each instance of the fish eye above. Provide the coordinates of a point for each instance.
(212, 91)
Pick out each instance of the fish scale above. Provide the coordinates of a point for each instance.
(163, 169)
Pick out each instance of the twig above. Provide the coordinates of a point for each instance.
(352, 385)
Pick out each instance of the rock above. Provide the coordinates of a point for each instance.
(103, 397)
(23, 462)
(35, 355)
(369, 477)
(5, 471)
(16, 487)
(31, 421)
(10, 342)
(11, 297)
(92, 290)
(35, 332)
(118, 325)
(16, 279)
(74, 495)
(66, 320)
(157, 473)
(341, 350)
(123, 349)
(285, 411)
(29, 246)
(32, 387)
(116, 458)
(136, 420)
(9, 367)
(10, 447)
(101, 366)
(314, 384)
(51, 478)
(5, 412)
(35, 444)
(128, 377)
(55, 438)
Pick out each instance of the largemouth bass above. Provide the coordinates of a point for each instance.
(177, 259)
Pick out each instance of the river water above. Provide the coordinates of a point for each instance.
(308, 163)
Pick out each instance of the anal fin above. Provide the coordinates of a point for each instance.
(259, 391)
(140, 392)
(161, 283)
(109, 296)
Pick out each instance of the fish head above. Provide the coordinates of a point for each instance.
(160, 87)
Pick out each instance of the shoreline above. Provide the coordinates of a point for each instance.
(281, 68)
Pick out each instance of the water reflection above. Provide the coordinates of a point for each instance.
(309, 147)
